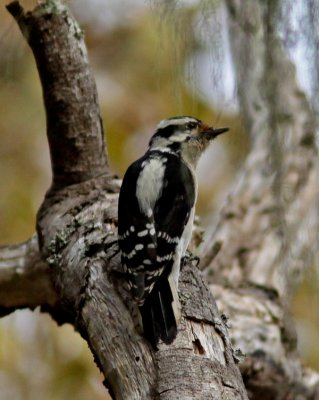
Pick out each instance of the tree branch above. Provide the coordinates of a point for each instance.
(74, 125)
(24, 278)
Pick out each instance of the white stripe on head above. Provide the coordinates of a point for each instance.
(175, 121)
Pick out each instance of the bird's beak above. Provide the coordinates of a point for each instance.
(210, 133)
(219, 131)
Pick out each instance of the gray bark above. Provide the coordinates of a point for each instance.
(76, 226)
(24, 278)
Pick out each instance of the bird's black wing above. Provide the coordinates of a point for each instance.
(137, 238)
(173, 208)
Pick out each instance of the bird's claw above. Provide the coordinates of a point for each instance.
(190, 258)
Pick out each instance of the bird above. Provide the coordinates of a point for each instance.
(155, 219)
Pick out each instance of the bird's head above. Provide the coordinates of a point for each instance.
(186, 136)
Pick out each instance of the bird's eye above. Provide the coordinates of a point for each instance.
(191, 125)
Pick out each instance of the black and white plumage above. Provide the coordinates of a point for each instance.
(155, 219)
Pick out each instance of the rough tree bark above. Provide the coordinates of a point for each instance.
(76, 227)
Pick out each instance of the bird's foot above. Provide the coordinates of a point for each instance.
(190, 258)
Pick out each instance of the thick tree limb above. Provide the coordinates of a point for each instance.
(261, 328)
(78, 239)
(74, 126)
(24, 278)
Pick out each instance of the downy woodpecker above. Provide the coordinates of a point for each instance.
(155, 219)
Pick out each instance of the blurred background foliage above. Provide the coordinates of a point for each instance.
(150, 62)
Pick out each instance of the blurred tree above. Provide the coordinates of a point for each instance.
(146, 80)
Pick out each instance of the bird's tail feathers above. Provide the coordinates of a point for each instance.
(161, 312)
